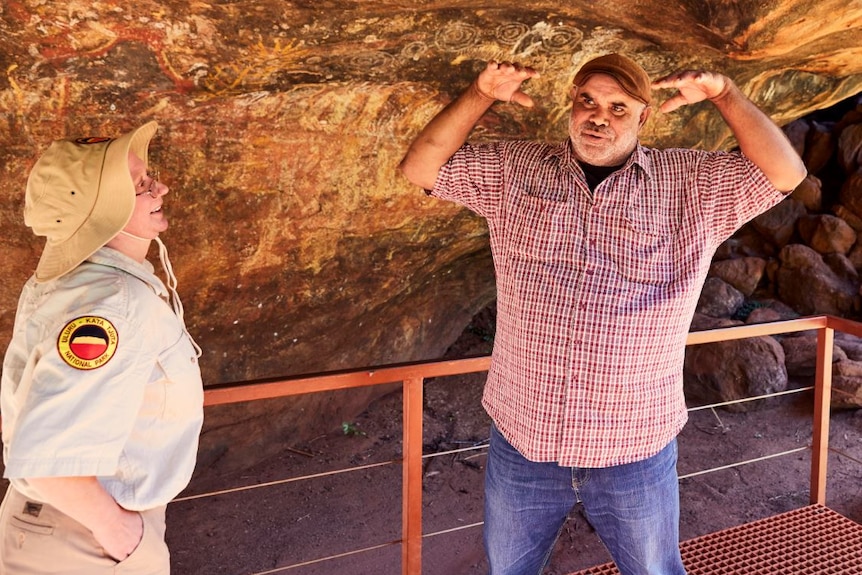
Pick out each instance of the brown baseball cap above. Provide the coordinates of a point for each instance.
(80, 195)
(628, 74)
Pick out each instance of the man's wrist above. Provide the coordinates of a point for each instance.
(728, 88)
(474, 87)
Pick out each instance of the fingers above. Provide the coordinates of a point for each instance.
(677, 79)
(522, 99)
(692, 86)
(673, 103)
(512, 69)
(502, 81)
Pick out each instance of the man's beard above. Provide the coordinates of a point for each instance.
(607, 152)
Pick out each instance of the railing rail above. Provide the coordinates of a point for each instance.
(412, 377)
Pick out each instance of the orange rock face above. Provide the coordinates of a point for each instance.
(297, 245)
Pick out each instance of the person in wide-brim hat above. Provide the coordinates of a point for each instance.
(93, 447)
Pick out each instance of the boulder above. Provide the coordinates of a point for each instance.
(718, 298)
(842, 266)
(800, 354)
(729, 370)
(809, 193)
(746, 242)
(742, 273)
(850, 148)
(797, 132)
(855, 257)
(703, 322)
(763, 315)
(778, 224)
(826, 234)
(847, 384)
(819, 146)
(808, 284)
(853, 220)
(769, 310)
(851, 193)
(850, 344)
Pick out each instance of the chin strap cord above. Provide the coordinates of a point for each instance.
(176, 303)
(174, 297)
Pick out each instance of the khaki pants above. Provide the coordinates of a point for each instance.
(36, 539)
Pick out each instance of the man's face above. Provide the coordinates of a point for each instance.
(605, 121)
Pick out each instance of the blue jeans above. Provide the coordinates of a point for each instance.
(634, 508)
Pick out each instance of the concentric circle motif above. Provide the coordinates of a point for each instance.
(414, 51)
(510, 32)
(457, 36)
(87, 342)
(561, 38)
(371, 61)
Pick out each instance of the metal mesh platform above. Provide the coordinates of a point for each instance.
(812, 540)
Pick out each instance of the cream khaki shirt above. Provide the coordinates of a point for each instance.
(101, 379)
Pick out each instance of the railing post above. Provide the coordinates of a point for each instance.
(822, 404)
(411, 514)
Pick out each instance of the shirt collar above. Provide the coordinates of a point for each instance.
(565, 155)
(142, 270)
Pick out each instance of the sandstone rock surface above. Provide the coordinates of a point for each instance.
(297, 245)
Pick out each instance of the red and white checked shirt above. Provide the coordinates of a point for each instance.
(596, 291)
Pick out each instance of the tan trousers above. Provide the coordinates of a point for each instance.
(36, 539)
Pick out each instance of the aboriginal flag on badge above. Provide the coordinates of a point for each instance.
(87, 342)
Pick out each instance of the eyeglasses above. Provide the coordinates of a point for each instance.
(148, 184)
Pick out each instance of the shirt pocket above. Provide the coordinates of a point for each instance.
(542, 230)
(181, 379)
(646, 251)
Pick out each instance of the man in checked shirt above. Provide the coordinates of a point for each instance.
(601, 247)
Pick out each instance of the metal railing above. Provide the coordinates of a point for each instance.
(412, 377)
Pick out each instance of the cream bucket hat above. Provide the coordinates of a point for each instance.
(80, 195)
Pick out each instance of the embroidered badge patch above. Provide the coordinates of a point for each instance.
(87, 342)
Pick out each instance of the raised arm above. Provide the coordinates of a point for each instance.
(759, 138)
(448, 130)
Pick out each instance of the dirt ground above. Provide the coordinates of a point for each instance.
(265, 530)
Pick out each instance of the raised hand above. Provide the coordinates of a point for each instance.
(502, 81)
(448, 130)
(692, 86)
